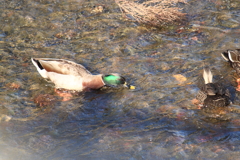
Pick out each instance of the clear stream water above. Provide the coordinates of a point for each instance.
(157, 120)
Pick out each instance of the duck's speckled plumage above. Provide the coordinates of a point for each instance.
(213, 94)
(233, 57)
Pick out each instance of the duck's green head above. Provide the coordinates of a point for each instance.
(116, 80)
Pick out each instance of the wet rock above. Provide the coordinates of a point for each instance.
(8, 29)
(69, 34)
(164, 66)
(13, 85)
(5, 118)
(180, 78)
(98, 9)
(56, 25)
(34, 87)
(44, 100)
(29, 21)
(226, 20)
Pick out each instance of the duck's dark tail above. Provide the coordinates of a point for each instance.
(234, 55)
(225, 55)
(36, 62)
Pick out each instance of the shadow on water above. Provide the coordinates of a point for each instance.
(157, 120)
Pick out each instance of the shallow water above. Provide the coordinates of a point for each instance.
(157, 120)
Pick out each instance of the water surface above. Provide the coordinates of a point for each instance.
(156, 121)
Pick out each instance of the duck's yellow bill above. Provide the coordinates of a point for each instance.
(131, 87)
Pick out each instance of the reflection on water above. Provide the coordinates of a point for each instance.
(155, 121)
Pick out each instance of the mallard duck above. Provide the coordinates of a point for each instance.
(72, 76)
(233, 57)
(213, 94)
